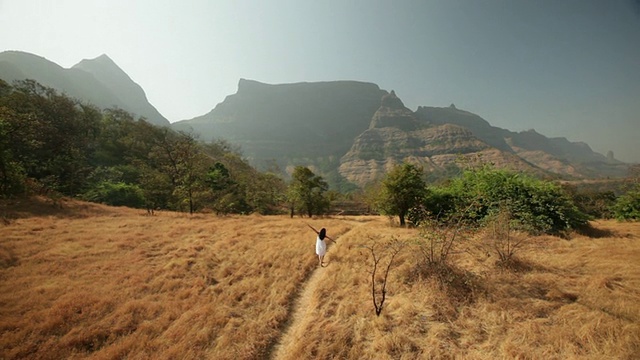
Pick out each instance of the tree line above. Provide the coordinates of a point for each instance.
(53, 144)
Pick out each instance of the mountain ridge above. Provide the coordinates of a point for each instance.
(385, 134)
(96, 81)
(348, 131)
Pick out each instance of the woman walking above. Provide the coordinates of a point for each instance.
(321, 245)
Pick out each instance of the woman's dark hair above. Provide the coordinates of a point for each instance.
(323, 233)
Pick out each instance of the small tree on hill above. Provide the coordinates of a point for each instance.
(402, 189)
(307, 192)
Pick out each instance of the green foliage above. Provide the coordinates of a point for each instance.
(597, 204)
(266, 193)
(306, 192)
(537, 206)
(402, 189)
(50, 143)
(12, 174)
(627, 206)
(226, 198)
(46, 136)
(218, 177)
(116, 194)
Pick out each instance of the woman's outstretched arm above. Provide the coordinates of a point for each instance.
(312, 228)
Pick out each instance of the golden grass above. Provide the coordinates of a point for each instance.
(95, 282)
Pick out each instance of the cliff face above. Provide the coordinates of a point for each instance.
(393, 113)
(555, 155)
(396, 135)
(290, 121)
(98, 81)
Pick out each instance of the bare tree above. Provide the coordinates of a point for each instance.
(378, 253)
(503, 240)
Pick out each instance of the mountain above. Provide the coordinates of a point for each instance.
(97, 81)
(354, 132)
(396, 134)
(555, 155)
(290, 122)
(350, 132)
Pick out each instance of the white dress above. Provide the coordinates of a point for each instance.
(321, 247)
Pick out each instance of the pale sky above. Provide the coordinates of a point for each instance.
(566, 68)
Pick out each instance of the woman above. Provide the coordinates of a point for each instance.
(321, 245)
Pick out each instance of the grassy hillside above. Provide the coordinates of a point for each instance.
(86, 281)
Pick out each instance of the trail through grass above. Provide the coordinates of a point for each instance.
(85, 281)
(303, 308)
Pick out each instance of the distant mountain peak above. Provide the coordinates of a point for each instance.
(392, 101)
(393, 113)
(102, 62)
(130, 94)
(103, 57)
(97, 81)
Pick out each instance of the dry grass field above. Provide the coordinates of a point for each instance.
(85, 281)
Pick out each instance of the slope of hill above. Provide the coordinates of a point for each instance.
(98, 81)
(556, 155)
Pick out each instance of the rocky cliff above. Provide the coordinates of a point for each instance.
(396, 134)
(290, 122)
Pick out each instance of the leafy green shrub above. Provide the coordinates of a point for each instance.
(537, 206)
(595, 203)
(627, 207)
(116, 194)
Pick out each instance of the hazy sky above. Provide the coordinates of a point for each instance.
(566, 68)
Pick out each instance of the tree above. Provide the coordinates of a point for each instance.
(180, 156)
(223, 189)
(392, 248)
(307, 192)
(50, 136)
(190, 166)
(11, 171)
(402, 189)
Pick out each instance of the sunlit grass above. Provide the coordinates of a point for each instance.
(88, 281)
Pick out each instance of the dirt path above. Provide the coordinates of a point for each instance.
(303, 307)
(301, 311)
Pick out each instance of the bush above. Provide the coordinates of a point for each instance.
(537, 206)
(627, 206)
(116, 194)
(595, 203)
